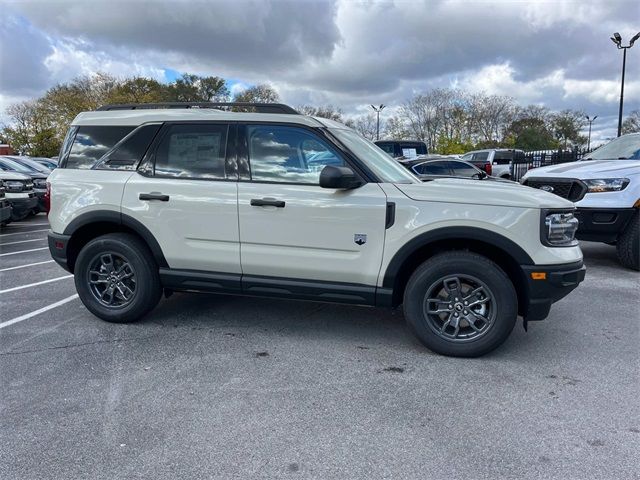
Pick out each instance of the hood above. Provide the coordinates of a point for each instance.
(587, 169)
(482, 192)
(4, 175)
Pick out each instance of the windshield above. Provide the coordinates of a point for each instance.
(626, 147)
(376, 159)
(32, 164)
(17, 167)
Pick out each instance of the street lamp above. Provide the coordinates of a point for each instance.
(590, 120)
(378, 110)
(617, 39)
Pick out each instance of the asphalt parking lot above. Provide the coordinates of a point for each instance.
(230, 387)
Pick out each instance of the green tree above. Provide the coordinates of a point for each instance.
(531, 133)
(452, 146)
(567, 125)
(258, 94)
(192, 88)
(139, 90)
(31, 131)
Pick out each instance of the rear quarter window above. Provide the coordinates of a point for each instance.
(92, 142)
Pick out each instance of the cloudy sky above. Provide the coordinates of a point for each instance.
(349, 53)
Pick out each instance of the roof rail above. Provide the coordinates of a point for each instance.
(235, 106)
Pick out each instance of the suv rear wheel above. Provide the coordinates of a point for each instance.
(460, 304)
(117, 278)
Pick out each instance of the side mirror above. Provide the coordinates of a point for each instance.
(338, 177)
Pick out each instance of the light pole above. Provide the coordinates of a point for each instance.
(590, 120)
(378, 110)
(617, 39)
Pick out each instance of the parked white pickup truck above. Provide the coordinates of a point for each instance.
(605, 186)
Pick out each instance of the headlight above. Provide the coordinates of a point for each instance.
(559, 229)
(40, 183)
(606, 184)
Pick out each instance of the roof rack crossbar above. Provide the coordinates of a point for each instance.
(245, 106)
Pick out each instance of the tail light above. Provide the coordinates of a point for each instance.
(47, 199)
(487, 168)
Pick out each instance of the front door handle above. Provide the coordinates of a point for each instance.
(154, 196)
(267, 202)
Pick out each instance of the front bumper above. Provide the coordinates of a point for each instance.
(558, 282)
(23, 205)
(602, 224)
(58, 245)
(40, 193)
(5, 211)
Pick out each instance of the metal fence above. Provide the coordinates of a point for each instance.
(541, 158)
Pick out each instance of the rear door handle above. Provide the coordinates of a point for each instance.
(267, 202)
(154, 196)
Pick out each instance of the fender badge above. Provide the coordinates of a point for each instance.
(360, 238)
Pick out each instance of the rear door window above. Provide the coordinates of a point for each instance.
(502, 158)
(92, 142)
(480, 157)
(432, 168)
(195, 151)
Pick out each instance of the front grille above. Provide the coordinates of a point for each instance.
(571, 189)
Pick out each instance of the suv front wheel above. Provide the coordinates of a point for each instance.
(460, 304)
(117, 278)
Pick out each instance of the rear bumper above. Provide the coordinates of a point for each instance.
(58, 245)
(559, 281)
(602, 224)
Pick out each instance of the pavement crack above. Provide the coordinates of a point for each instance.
(74, 345)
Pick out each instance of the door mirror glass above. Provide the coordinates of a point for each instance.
(338, 177)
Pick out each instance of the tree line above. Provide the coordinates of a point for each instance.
(37, 127)
(448, 120)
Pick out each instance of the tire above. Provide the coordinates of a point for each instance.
(17, 218)
(628, 245)
(475, 273)
(139, 276)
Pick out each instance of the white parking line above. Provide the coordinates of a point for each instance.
(23, 241)
(25, 266)
(23, 251)
(38, 312)
(24, 233)
(35, 284)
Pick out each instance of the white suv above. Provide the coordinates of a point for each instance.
(605, 187)
(272, 203)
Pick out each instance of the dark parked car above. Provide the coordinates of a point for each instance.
(5, 206)
(29, 163)
(45, 162)
(432, 167)
(19, 193)
(403, 148)
(9, 164)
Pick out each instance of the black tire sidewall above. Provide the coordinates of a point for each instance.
(469, 264)
(628, 244)
(148, 288)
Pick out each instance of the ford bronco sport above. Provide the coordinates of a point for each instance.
(192, 197)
